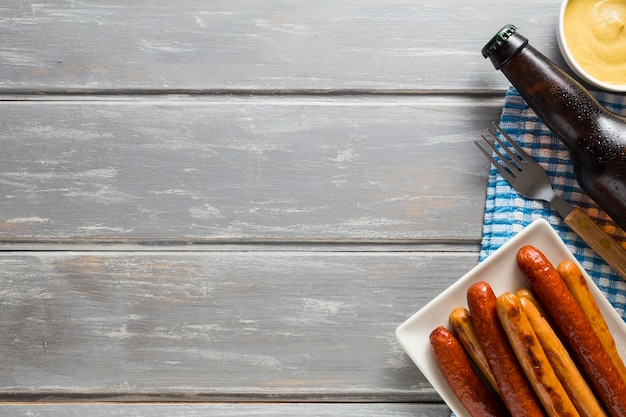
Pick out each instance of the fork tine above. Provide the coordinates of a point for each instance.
(523, 155)
(508, 175)
(513, 163)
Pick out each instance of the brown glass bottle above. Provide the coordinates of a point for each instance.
(594, 136)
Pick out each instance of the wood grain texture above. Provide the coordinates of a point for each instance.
(220, 326)
(227, 410)
(227, 207)
(327, 45)
(286, 169)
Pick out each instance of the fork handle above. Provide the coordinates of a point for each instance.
(612, 252)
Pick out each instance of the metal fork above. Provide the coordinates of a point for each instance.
(531, 180)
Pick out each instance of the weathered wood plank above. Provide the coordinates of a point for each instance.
(291, 169)
(261, 45)
(231, 326)
(226, 410)
(296, 204)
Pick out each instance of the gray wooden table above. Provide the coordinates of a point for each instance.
(227, 207)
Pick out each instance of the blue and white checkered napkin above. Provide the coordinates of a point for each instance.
(507, 212)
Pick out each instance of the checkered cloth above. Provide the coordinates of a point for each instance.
(507, 212)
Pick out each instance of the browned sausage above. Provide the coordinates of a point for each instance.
(579, 336)
(576, 283)
(566, 369)
(461, 377)
(461, 324)
(528, 295)
(513, 385)
(533, 358)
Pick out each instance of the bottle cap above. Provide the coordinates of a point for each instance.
(504, 45)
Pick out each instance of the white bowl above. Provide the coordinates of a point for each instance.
(500, 270)
(574, 65)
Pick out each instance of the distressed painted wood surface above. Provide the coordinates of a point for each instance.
(325, 45)
(228, 410)
(215, 325)
(279, 170)
(227, 207)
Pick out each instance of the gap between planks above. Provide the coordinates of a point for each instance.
(400, 246)
(487, 98)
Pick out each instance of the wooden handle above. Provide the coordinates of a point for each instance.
(611, 251)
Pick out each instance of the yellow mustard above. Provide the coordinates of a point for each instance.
(596, 36)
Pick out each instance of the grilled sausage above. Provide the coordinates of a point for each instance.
(461, 377)
(528, 295)
(533, 358)
(577, 332)
(513, 385)
(461, 324)
(568, 373)
(577, 285)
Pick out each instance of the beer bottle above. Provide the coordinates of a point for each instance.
(594, 136)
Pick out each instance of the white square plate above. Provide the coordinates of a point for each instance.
(500, 270)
